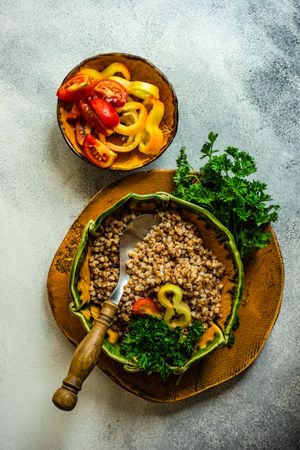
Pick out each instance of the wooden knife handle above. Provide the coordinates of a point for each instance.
(84, 359)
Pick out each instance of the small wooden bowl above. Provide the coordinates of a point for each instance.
(141, 70)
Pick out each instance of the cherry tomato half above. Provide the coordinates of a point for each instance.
(82, 129)
(77, 88)
(111, 91)
(106, 112)
(74, 113)
(97, 153)
(91, 117)
(145, 307)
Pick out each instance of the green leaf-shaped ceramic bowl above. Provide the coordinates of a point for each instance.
(215, 237)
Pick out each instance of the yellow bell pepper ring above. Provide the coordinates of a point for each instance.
(138, 125)
(185, 318)
(116, 68)
(143, 90)
(152, 137)
(125, 83)
(169, 314)
(139, 89)
(157, 110)
(95, 75)
(151, 141)
(106, 73)
(170, 296)
(125, 148)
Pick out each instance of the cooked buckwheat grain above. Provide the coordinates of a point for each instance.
(171, 252)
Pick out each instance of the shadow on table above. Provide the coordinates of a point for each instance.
(130, 405)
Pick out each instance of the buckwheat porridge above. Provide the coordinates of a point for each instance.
(171, 252)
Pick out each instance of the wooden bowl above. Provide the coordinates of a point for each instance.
(261, 302)
(140, 70)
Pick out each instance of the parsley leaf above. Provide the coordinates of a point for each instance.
(155, 347)
(222, 187)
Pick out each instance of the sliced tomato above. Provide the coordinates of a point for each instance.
(97, 153)
(74, 113)
(145, 307)
(91, 117)
(77, 88)
(82, 129)
(111, 91)
(106, 112)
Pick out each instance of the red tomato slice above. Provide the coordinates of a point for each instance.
(76, 88)
(74, 113)
(145, 307)
(91, 117)
(97, 153)
(82, 129)
(106, 112)
(111, 91)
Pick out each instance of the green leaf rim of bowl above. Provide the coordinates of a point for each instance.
(163, 200)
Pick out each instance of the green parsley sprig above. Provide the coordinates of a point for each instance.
(222, 187)
(156, 348)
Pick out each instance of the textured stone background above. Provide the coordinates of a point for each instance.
(235, 68)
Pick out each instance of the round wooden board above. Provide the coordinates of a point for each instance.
(264, 276)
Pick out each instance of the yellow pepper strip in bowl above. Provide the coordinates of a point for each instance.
(132, 142)
(129, 117)
(116, 68)
(122, 81)
(139, 89)
(174, 305)
(152, 137)
(128, 146)
(106, 73)
(138, 125)
(143, 90)
(95, 75)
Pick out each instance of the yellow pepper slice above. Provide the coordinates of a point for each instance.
(174, 304)
(116, 68)
(128, 146)
(138, 125)
(94, 74)
(143, 90)
(106, 73)
(152, 137)
(139, 89)
(122, 81)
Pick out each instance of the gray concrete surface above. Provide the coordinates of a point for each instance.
(235, 68)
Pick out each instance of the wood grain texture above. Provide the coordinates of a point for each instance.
(84, 359)
(264, 277)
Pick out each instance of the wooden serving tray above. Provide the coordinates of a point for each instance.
(264, 276)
